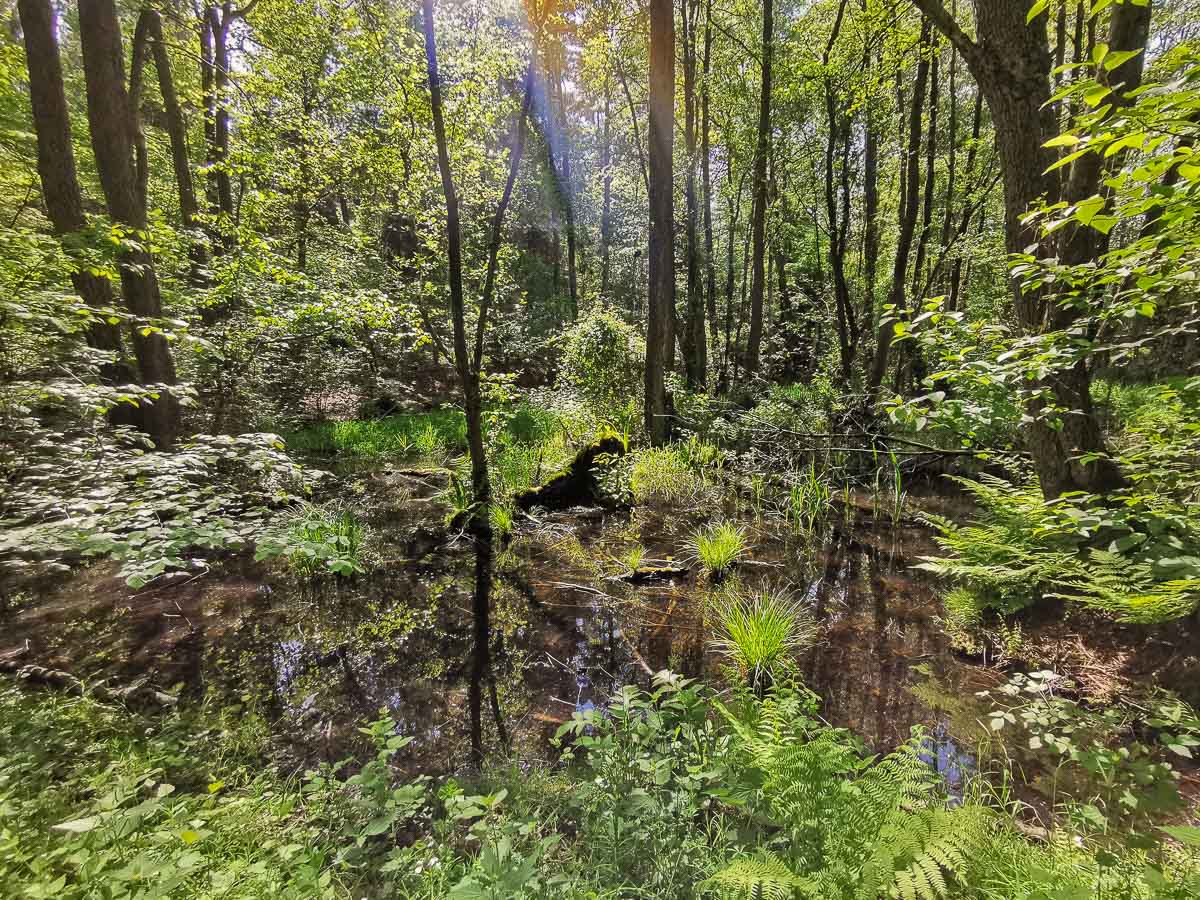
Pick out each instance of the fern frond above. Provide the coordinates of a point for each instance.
(765, 877)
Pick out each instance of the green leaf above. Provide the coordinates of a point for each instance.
(1185, 834)
(78, 826)
(1036, 10)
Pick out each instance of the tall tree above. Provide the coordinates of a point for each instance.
(758, 223)
(660, 338)
(1010, 60)
(468, 363)
(56, 170)
(148, 38)
(113, 132)
(909, 207)
(695, 347)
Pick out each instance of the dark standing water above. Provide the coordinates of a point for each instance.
(317, 660)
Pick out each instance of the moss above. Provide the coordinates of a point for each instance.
(576, 485)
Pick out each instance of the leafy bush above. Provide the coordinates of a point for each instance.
(106, 496)
(666, 794)
(604, 360)
(1135, 555)
(97, 803)
(317, 540)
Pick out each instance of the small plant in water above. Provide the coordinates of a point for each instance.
(809, 498)
(760, 631)
(317, 540)
(718, 547)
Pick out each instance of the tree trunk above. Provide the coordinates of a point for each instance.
(606, 211)
(149, 35)
(838, 128)
(113, 137)
(964, 224)
(706, 185)
(695, 342)
(1011, 63)
(660, 340)
(758, 226)
(871, 214)
(908, 216)
(56, 169)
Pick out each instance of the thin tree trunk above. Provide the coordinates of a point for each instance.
(113, 139)
(706, 178)
(964, 224)
(606, 212)
(871, 214)
(908, 217)
(148, 34)
(695, 342)
(838, 129)
(758, 226)
(930, 180)
(660, 340)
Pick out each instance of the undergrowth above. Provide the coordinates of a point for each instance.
(667, 793)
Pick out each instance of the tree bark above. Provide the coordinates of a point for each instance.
(660, 340)
(758, 225)
(113, 128)
(56, 170)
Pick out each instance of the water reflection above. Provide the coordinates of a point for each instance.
(498, 645)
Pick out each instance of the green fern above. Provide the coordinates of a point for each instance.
(765, 877)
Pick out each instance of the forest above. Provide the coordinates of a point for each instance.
(600, 449)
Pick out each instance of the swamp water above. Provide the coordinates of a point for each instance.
(317, 660)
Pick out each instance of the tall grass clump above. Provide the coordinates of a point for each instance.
(718, 547)
(663, 474)
(432, 434)
(761, 630)
(808, 500)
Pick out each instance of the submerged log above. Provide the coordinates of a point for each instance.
(56, 679)
(576, 485)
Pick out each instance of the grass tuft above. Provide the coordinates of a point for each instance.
(718, 547)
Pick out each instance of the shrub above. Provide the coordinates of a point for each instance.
(604, 360)
(317, 540)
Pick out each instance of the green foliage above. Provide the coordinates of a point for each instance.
(317, 540)
(95, 802)
(603, 358)
(1023, 548)
(1119, 782)
(105, 496)
(761, 630)
(718, 547)
(430, 435)
(808, 500)
(664, 474)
